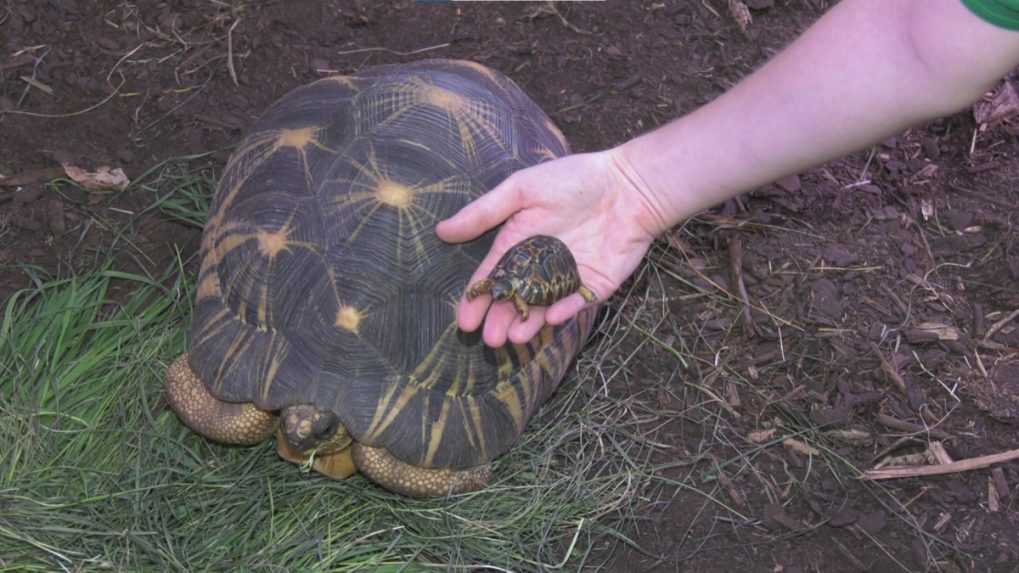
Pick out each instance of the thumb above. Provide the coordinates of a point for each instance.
(482, 214)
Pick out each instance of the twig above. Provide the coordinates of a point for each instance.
(1001, 323)
(904, 426)
(736, 268)
(942, 469)
(893, 375)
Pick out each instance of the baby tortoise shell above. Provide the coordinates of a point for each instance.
(325, 306)
(538, 270)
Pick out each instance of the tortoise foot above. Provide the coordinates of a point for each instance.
(226, 422)
(521, 306)
(382, 468)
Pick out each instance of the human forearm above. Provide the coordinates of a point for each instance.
(861, 73)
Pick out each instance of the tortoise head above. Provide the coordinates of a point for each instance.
(309, 428)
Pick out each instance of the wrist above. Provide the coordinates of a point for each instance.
(649, 203)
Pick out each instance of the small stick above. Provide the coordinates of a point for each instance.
(902, 425)
(736, 268)
(893, 375)
(942, 469)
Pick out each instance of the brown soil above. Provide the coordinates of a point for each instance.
(842, 263)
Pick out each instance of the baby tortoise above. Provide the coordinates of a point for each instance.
(538, 270)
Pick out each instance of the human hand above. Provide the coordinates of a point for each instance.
(593, 202)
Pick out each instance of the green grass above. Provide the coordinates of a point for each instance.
(96, 473)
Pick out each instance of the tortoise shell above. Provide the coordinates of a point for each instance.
(322, 279)
(542, 266)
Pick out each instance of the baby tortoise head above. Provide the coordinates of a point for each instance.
(538, 270)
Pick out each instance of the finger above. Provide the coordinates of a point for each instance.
(482, 214)
(522, 331)
(497, 323)
(470, 313)
(565, 309)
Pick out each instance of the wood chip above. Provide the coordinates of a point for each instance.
(801, 447)
(855, 437)
(931, 332)
(761, 436)
(1000, 483)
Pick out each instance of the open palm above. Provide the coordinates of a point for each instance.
(585, 200)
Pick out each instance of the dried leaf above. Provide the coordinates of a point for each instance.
(741, 14)
(104, 177)
(1004, 105)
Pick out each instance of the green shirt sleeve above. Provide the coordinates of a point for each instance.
(1003, 13)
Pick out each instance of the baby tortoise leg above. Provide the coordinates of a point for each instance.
(308, 432)
(381, 467)
(521, 304)
(587, 293)
(479, 288)
(226, 422)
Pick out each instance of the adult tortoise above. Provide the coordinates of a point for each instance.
(325, 308)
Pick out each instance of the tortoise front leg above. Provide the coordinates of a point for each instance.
(521, 304)
(378, 465)
(226, 422)
(484, 286)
